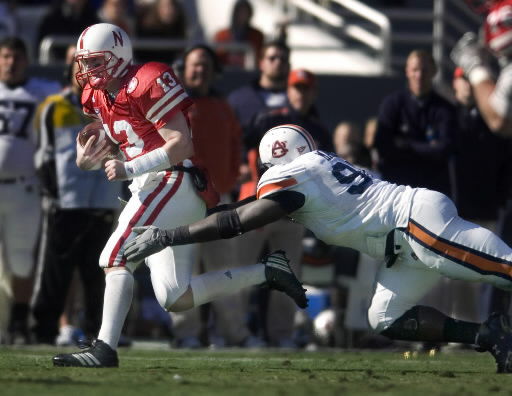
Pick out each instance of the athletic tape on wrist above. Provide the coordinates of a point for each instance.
(479, 74)
(153, 161)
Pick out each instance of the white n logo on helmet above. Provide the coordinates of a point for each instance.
(118, 38)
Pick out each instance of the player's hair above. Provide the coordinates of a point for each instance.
(14, 43)
(275, 44)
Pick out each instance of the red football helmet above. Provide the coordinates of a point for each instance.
(481, 6)
(103, 52)
(498, 28)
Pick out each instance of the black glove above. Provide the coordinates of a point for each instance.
(150, 240)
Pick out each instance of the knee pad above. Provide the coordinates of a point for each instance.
(420, 323)
(405, 327)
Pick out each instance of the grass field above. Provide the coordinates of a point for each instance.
(28, 371)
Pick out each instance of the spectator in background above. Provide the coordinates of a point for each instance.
(415, 140)
(415, 130)
(79, 209)
(163, 19)
(301, 92)
(239, 31)
(19, 190)
(300, 110)
(480, 155)
(117, 12)
(268, 91)
(217, 139)
(9, 23)
(348, 144)
(67, 18)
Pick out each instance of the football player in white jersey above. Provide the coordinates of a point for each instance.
(415, 231)
(19, 196)
(142, 108)
(493, 96)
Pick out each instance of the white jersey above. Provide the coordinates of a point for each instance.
(17, 133)
(344, 205)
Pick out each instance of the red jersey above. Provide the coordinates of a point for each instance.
(149, 97)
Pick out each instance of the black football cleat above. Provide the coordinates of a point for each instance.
(280, 277)
(495, 337)
(98, 355)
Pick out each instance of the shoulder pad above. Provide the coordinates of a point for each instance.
(147, 76)
(281, 177)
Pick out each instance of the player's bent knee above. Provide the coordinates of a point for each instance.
(171, 299)
(381, 315)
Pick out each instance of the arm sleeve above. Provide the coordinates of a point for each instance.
(253, 215)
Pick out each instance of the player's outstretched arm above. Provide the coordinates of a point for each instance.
(221, 225)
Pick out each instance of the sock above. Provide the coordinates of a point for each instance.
(117, 302)
(460, 331)
(211, 285)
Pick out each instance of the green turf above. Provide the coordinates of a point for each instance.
(28, 371)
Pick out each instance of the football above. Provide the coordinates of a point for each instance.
(96, 129)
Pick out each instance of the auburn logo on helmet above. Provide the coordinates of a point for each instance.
(279, 149)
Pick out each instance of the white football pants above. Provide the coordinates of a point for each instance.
(166, 201)
(437, 242)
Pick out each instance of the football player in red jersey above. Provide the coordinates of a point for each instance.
(142, 107)
(493, 95)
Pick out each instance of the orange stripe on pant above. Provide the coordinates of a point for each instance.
(272, 187)
(459, 253)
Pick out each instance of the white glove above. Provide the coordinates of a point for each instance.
(470, 56)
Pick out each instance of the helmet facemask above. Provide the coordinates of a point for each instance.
(96, 68)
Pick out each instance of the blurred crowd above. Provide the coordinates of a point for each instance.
(418, 138)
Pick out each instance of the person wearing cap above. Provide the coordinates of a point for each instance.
(300, 110)
(481, 158)
(301, 93)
